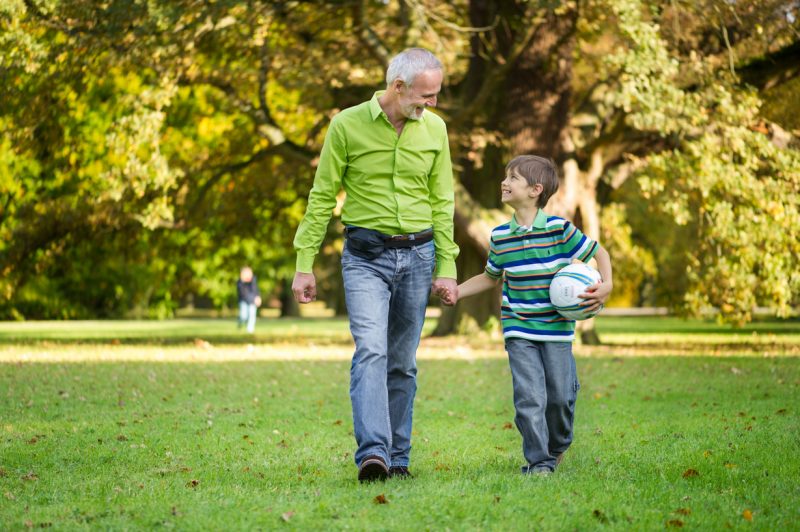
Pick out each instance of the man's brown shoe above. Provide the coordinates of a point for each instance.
(372, 468)
(400, 472)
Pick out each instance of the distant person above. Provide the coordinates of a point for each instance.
(524, 254)
(391, 156)
(249, 298)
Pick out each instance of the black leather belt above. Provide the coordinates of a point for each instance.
(409, 240)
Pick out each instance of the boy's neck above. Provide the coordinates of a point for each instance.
(526, 214)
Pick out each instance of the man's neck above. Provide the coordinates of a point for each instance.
(392, 110)
(526, 214)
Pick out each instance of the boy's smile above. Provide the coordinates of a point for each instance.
(515, 191)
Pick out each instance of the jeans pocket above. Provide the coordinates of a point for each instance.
(426, 251)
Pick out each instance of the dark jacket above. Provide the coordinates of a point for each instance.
(248, 291)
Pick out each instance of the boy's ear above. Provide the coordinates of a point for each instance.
(535, 191)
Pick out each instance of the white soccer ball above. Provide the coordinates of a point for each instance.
(567, 283)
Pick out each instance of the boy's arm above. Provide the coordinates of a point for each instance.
(597, 294)
(475, 285)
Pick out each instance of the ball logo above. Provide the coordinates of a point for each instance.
(568, 283)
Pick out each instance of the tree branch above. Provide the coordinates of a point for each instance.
(367, 36)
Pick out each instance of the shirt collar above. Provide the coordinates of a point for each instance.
(540, 222)
(375, 108)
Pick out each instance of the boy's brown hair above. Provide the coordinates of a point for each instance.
(536, 171)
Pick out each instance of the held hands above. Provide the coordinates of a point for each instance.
(446, 289)
(596, 295)
(257, 301)
(304, 287)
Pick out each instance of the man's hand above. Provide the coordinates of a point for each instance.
(257, 301)
(446, 289)
(595, 295)
(304, 287)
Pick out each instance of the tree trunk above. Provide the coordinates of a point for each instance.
(289, 307)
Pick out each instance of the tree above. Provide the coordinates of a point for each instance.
(183, 138)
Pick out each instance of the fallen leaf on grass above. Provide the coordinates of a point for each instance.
(729, 465)
(30, 476)
(781, 411)
(690, 473)
(286, 516)
(2, 472)
(122, 437)
(193, 483)
(10, 496)
(380, 499)
(507, 425)
(683, 511)
(677, 523)
(747, 515)
(736, 371)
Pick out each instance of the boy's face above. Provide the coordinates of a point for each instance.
(516, 191)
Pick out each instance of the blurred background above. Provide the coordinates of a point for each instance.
(150, 148)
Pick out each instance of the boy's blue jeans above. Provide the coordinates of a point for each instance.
(545, 389)
(386, 299)
(247, 315)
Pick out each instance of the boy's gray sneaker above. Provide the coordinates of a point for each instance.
(536, 470)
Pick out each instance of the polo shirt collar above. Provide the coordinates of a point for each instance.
(539, 222)
(375, 108)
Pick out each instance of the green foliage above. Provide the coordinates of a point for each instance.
(148, 148)
(727, 192)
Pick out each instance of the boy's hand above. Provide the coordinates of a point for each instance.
(596, 295)
(447, 290)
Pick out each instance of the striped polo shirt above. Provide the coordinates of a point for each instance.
(527, 258)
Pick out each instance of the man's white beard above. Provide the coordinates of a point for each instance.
(412, 112)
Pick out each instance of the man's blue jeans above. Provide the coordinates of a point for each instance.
(247, 315)
(545, 389)
(386, 299)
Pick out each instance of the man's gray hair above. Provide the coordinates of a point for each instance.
(406, 65)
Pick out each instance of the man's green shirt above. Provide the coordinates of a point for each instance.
(394, 184)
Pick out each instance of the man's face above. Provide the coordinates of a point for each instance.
(423, 93)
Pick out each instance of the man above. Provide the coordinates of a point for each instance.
(392, 157)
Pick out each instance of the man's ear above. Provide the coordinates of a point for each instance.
(398, 85)
(536, 190)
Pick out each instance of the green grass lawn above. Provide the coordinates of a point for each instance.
(121, 425)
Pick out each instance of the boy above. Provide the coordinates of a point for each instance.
(249, 298)
(525, 253)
